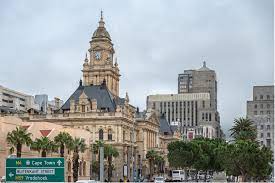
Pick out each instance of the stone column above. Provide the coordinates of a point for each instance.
(145, 141)
(150, 140)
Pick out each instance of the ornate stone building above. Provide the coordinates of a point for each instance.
(101, 65)
(96, 107)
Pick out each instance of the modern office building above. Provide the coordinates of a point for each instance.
(42, 101)
(261, 111)
(194, 108)
(12, 101)
(191, 112)
(201, 80)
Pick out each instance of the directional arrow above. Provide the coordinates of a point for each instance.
(11, 174)
(59, 162)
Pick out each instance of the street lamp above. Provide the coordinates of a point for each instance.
(132, 151)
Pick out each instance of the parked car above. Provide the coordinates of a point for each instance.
(159, 180)
(86, 181)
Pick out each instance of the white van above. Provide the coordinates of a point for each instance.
(178, 175)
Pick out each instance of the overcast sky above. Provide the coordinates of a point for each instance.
(43, 44)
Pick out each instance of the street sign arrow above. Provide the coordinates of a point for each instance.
(11, 174)
(59, 162)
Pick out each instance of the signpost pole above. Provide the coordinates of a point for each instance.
(101, 154)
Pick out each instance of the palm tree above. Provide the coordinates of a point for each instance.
(243, 129)
(77, 145)
(44, 145)
(109, 153)
(95, 147)
(159, 161)
(17, 138)
(63, 139)
(151, 155)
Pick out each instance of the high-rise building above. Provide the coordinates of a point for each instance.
(261, 111)
(201, 80)
(194, 108)
(191, 112)
(42, 101)
(46, 106)
(12, 101)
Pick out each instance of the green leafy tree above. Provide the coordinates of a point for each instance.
(243, 129)
(200, 154)
(209, 154)
(44, 145)
(63, 139)
(17, 138)
(247, 159)
(263, 168)
(181, 154)
(77, 145)
(110, 152)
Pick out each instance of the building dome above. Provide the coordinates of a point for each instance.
(101, 31)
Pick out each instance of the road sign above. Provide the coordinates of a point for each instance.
(35, 170)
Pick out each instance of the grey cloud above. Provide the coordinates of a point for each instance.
(43, 45)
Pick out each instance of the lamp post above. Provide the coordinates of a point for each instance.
(101, 154)
(91, 162)
(132, 151)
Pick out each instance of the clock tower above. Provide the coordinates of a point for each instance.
(100, 66)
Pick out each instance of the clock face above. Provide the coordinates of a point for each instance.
(97, 55)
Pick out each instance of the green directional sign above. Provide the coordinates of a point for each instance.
(35, 170)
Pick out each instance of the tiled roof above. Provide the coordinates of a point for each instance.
(164, 126)
(105, 100)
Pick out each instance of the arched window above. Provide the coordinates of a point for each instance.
(110, 135)
(100, 134)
